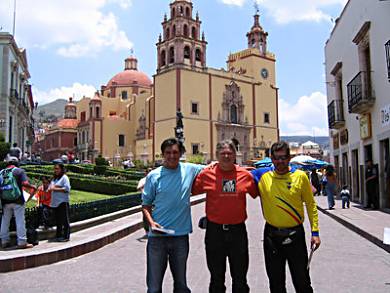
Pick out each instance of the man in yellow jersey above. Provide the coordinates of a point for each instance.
(283, 191)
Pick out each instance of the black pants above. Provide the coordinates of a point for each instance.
(277, 250)
(231, 242)
(44, 216)
(62, 220)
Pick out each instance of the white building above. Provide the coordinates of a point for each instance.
(16, 101)
(357, 60)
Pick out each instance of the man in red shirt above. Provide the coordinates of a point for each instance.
(226, 185)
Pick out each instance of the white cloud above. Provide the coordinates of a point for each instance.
(73, 28)
(285, 11)
(77, 91)
(233, 2)
(307, 116)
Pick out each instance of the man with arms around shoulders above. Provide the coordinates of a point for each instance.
(226, 185)
(13, 202)
(166, 204)
(283, 192)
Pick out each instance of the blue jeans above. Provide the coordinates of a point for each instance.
(330, 192)
(160, 251)
(17, 210)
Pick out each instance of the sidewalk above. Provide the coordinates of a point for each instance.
(367, 223)
(81, 242)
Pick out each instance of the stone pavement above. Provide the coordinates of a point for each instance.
(368, 223)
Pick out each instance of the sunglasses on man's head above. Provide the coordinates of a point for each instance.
(280, 158)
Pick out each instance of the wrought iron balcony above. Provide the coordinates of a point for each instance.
(14, 93)
(360, 93)
(336, 114)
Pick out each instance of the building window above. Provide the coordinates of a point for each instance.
(194, 33)
(187, 53)
(167, 33)
(97, 112)
(112, 113)
(266, 118)
(387, 48)
(195, 148)
(82, 116)
(171, 55)
(162, 58)
(121, 140)
(233, 114)
(124, 95)
(194, 108)
(90, 112)
(187, 12)
(198, 55)
(185, 31)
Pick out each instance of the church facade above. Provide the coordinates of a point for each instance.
(131, 115)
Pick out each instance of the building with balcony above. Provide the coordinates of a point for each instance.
(16, 100)
(357, 64)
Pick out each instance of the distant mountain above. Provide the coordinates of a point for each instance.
(56, 108)
(323, 141)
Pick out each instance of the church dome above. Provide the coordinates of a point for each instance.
(130, 76)
(67, 123)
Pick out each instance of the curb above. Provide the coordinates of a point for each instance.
(78, 248)
(357, 230)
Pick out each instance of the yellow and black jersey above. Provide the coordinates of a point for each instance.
(282, 198)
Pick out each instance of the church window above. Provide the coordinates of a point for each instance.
(167, 33)
(187, 11)
(266, 118)
(97, 112)
(233, 114)
(162, 58)
(173, 12)
(82, 116)
(195, 148)
(124, 95)
(194, 33)
(171, 55)
(187, 52)
(194, 108)
(90, 112)
(174, 31)
(185, 30)
(121, 140)
(198, 55)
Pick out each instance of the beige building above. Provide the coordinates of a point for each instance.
(357, 61)
(132, 115)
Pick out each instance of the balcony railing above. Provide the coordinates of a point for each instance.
(336, 114)
(360, 93)
(14, 93)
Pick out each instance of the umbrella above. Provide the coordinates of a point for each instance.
(266, 162)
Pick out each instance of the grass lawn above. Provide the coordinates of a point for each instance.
(78, 196)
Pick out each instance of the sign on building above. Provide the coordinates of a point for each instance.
(385, 116)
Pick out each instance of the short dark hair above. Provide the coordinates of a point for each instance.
(44, 177)
(280, 146)
(171, 142)
(15, 145)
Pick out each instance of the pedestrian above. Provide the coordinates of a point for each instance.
(345, 196)
(315, 181)
(226, 185)
(372, 185)
(15, 151)
(331, 186)
(283, 193)
(12, 180)
(167, 190)
(43, 196)
(140, 187)
(60, 191)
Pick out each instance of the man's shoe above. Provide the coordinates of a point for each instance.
(24, 246)
(62, 239)
(5, 245)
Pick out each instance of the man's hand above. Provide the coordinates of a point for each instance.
(315, 242)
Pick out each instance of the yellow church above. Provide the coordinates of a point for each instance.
(132, 114)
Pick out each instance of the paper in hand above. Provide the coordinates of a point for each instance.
(162, 230)
(310, 257)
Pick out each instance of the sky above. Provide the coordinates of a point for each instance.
(74, 47)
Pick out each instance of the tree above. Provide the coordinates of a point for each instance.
(4, 147)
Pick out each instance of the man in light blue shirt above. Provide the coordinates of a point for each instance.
(166, 204)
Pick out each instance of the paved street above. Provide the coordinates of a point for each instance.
(345, 262)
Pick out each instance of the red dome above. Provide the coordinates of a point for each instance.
(130, 78)
(67, 123)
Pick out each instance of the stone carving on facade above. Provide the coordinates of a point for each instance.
(231, 123)
(141, 131)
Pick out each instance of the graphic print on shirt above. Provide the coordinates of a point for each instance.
(228, 185)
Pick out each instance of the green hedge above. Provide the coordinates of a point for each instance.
(96, 184)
